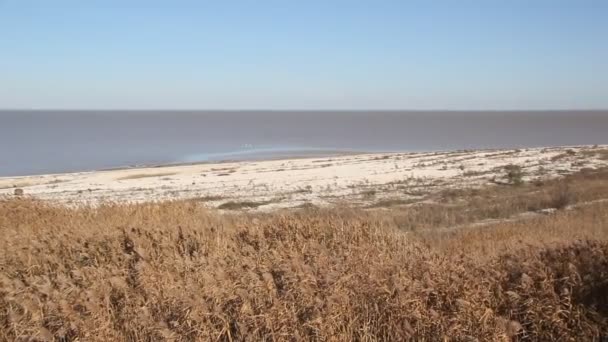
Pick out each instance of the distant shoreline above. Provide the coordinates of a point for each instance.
(301, 154)
(295, 156)
(359, 179)
(287, 156)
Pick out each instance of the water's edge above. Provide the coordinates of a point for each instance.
(43, 142)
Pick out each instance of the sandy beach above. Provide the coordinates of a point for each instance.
(361, 180)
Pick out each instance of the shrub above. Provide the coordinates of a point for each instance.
(242, 205)
(514, 174)
(562, 196)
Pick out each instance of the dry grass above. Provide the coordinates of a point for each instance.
(391, 202)
(147, 175)
(455, 207)
(176, 271)
(232, 205)
(601, 154)
(208, 198)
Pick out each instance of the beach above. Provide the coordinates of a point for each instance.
(362, 180)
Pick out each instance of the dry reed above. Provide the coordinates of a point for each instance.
(176, 271)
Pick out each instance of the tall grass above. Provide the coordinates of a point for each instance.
(175, 271)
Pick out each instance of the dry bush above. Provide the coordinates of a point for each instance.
(369, 194)
(174, 271)
(561, 196)
(232, 205)
(208, 198)
(514, 174)
(391, 202)
(601, 154)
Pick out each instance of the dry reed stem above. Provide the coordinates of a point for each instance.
(176, 271)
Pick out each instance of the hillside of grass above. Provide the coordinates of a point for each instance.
(178, 271)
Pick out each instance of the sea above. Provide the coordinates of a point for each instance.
(42, 142)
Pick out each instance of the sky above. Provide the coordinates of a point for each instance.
(309, 54)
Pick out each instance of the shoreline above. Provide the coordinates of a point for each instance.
(360, 179)
(295, 156)
(313, 154)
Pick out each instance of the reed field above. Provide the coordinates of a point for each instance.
(504, 263)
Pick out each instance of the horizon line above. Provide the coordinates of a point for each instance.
(300, 110)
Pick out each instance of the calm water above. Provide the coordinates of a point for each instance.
(33, 142)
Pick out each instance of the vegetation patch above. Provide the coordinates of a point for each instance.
(306, 205)
(601, 154)
(391, 202)
(305, 190)
(209, 198)
(232, 205)
(368, 194)
(177, 271)
(514, 174)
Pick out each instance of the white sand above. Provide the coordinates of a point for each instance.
(359, 179)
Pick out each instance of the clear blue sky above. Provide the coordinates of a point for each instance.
(308, 54)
